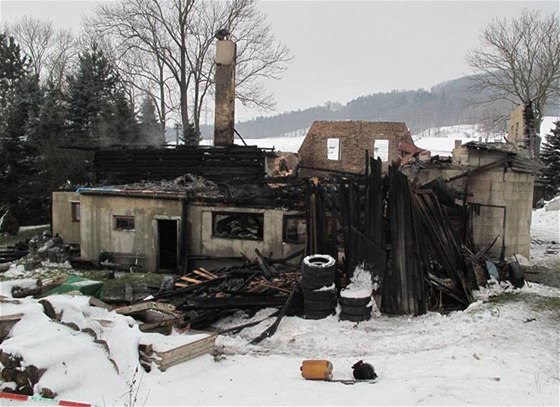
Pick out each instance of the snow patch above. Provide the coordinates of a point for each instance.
(360, 284)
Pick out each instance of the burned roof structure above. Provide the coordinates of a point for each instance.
(123, 166)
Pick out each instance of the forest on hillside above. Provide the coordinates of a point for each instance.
(448, 103)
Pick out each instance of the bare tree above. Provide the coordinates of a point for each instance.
(50, 51)
(176, 38)
(520, 60)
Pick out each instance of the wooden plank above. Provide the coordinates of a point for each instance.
(147, 327)
(148, 305)
(190, 280)
(211, 339)
(166, 366)
(233, 302)
(194, 351)
(205, 272)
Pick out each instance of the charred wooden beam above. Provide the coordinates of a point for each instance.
(232, 302)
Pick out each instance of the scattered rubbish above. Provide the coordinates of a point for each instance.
(363, 371)
(320, 369)
(316, 370)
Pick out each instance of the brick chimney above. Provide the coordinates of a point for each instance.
(224, 118)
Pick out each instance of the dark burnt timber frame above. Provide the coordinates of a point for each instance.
(123, 166)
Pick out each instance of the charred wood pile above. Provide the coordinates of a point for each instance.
(400, 232)
(204, 296)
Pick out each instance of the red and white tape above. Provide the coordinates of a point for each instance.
(43, 400)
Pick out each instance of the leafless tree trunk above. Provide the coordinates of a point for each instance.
(177, 37)
(520, 60)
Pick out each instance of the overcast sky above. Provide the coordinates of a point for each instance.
(342, 49)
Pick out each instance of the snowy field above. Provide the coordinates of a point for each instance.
(439, 141)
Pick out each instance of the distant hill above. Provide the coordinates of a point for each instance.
(446, 104)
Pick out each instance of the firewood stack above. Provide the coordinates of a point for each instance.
(21, 379)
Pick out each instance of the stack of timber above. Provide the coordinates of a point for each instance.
(121, 166)
(153, 316)
(172, 350)
(12, 253)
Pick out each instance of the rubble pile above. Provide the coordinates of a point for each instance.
(47, 247)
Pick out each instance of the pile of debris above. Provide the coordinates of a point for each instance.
(205, 296)
(53, 249)
(189, 184)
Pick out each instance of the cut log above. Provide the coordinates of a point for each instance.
(6, 324)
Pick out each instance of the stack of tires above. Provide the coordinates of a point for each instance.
(355, 308)
(317, 283)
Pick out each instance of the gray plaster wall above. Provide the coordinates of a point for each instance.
(204, 243)
(62, 223)
(511, 189)
(99, 234)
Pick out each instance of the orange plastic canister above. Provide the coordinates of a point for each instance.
(316, 369)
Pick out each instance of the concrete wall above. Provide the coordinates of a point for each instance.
(493, 189)
(511, 189)
(202, 241)
(62, 223)
(98, 232)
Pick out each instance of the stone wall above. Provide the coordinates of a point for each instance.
(100, 235)
(355, 137)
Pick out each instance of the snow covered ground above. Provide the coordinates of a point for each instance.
(545, 235)
(502, 350)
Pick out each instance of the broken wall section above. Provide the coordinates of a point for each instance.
(501, 197)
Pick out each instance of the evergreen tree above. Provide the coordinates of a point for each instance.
(151, 131)
(550, 155)
(91, 91)
(58, 165)
(20, 98)
(118, 124)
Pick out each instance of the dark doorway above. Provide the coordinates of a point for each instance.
(167, 232)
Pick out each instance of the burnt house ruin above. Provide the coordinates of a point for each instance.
(424, 228)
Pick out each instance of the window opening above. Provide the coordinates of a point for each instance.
(294, 229)
(123, 222)
(333, 149)
(238, 225)
(76, 212)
